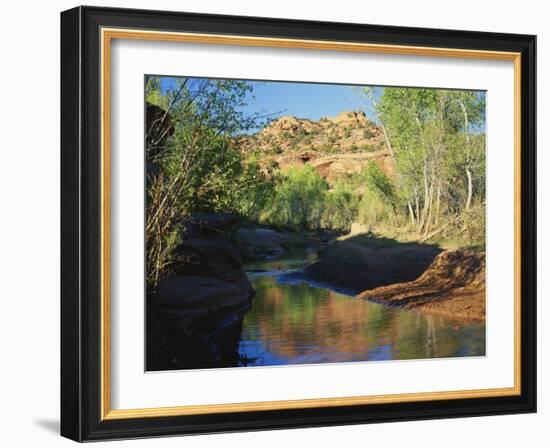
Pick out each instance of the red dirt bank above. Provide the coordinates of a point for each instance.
(453, 285)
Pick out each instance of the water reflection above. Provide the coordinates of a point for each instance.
(296, 322)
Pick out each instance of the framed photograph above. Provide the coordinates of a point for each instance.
(273, 223)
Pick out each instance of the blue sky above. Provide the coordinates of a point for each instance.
(303, 100)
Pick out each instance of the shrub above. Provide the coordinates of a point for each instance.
(341, 206)
(298, 200)
(380, 200)
(469, 228)
(368, 134)
(377, 181)
(372, 210)
(276, 149)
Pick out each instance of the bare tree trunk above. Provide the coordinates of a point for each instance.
(386, 138)
(411, 212)
(468, 172)
(466, 122)
(430, 208)
(426, 198)
(417, 203)
(469, 198)
(388, 144)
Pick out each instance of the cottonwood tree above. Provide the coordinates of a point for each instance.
(437, 141)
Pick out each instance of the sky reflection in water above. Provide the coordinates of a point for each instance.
(296, 322)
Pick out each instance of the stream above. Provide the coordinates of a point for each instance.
(296, 321)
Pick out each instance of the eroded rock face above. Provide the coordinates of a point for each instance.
(353, 118)
(334, 146)
(334, 166)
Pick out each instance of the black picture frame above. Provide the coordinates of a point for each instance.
(81, 224)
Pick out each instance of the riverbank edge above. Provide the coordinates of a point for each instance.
(453, 287)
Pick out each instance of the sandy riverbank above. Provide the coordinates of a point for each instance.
(453, 285)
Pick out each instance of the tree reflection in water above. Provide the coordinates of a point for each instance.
(296, 322)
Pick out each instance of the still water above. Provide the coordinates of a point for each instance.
(293, 321)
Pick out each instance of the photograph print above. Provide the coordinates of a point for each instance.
(303, 223)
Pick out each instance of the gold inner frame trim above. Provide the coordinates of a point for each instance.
(107, 35)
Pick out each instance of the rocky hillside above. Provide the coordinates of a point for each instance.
(334, 146)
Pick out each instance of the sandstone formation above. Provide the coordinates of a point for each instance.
(333, 146)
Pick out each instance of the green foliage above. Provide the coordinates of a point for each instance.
(438, 140)
(196, 168)
(469, 229)
(303, 200)
(374, 211)
(380, 184)
(153, 94)
(272, 165)
(298, 200)
(368, 134)
(341, 205)
(276, 149)
(378, 202)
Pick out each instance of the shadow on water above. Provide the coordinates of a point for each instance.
(296, 320)
(184, 340)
